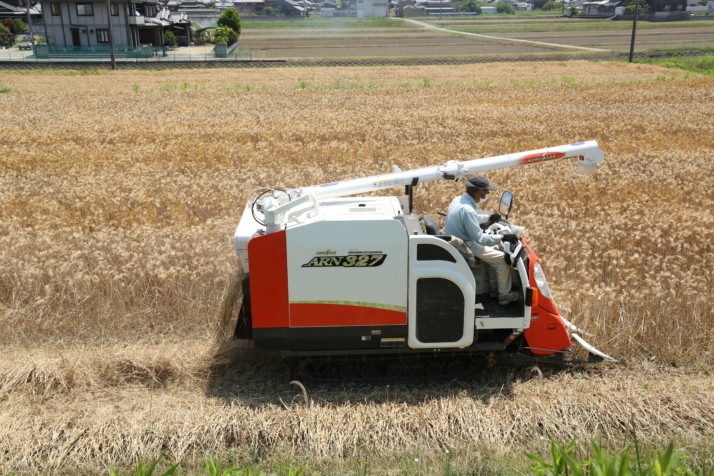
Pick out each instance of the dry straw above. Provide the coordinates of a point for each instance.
(118, 210)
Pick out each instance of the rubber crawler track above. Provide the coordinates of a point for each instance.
(388, 369)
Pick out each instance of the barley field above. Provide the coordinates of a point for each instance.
(120, 192)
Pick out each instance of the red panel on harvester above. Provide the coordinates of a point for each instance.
(268, 260)
(324, 314)
(547, 331)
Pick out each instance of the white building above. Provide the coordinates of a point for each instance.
(574, 3)
(695, 7)
(372, 8)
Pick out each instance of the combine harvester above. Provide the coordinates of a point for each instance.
(360, 291)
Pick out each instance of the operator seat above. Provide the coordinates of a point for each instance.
(430, 226)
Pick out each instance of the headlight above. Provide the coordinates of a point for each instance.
(540, 280)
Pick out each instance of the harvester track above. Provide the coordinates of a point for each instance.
(388, 369)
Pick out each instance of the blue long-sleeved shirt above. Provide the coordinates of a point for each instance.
(462, 221)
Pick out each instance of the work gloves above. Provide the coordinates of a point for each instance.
(510, 238)
(493, 218)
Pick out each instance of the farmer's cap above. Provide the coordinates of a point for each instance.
(480, 182)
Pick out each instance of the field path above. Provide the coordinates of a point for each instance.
(434, 27)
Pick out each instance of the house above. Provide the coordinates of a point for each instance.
(574, 3)
(657, 6)
(18, 9)
(436, 7)
(413, 11)
(73, 24)
(694, 6)
(249, 7)
(372, 8)
(420, 8)
(203, 12)
(600, 8)
(292, 8)
(410, 8)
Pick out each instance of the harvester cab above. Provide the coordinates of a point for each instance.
(361, 289)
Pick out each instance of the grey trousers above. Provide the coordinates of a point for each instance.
(497, 269)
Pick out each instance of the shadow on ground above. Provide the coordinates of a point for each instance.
(239, 375)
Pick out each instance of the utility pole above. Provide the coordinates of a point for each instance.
(111, 34)
(634, 30)
(29, 24)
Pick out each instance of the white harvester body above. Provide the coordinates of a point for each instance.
(358, 276)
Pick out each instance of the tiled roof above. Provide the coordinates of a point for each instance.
(165, 17)
(36, 10)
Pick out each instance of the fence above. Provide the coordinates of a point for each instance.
(143, 54)
(210, 62)
(232, 51)
(656, 17)
(273, 18)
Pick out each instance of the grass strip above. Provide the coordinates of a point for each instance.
(325, 23)
(574, 26)
(696, 64)
(571, 459)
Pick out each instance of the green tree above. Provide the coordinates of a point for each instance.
(220, 35)
(552, 6)
(14, 26)
(502, 7)
(5, 36)
(230, 19)
(470, 6)
(170, 38)
(270, 11)
(224, 35)
(20, 25)
(630, 7)
(232, 35)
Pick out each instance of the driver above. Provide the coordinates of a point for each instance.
(464, 222)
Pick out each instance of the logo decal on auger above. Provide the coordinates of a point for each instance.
(541, 157)
(351, 261)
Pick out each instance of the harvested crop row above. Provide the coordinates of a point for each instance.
(256, 416)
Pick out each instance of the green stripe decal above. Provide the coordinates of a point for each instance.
(387, 307)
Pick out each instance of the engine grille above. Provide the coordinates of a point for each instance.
(439, 310)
